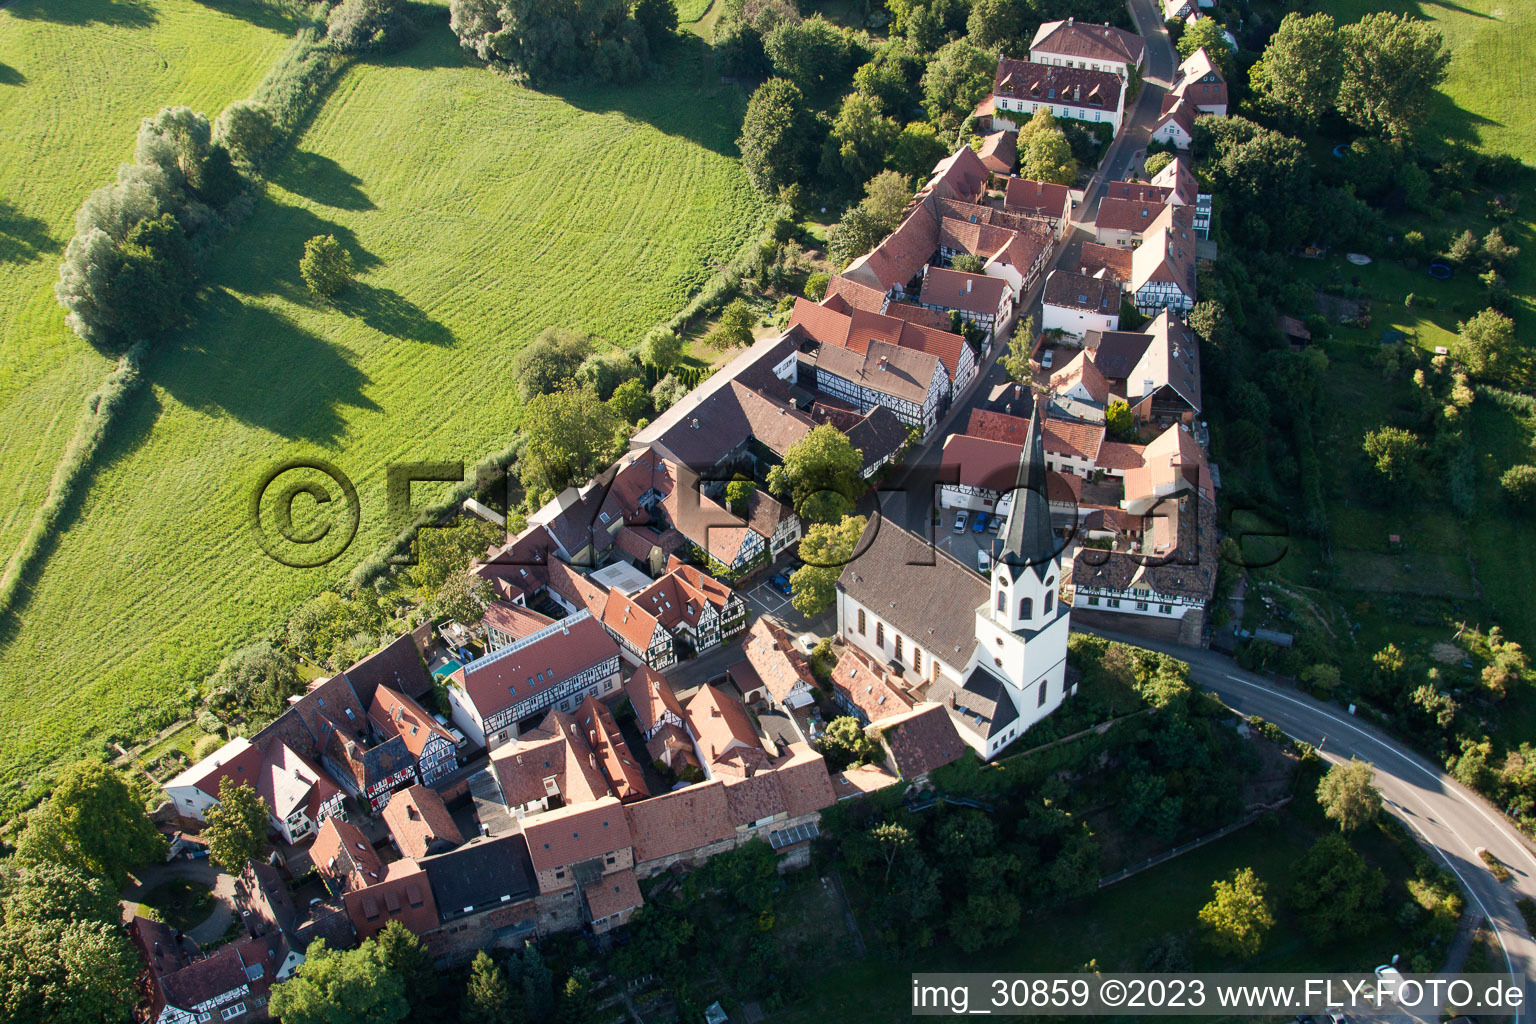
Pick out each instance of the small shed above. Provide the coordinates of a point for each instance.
(1294, 331)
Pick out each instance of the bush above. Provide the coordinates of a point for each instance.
(358, 26)
(246, 129)
(326, 266)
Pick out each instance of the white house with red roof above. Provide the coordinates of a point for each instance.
(1083, 44)
(1021, 87)
(555, 667)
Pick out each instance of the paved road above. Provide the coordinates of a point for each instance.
(1446, 815)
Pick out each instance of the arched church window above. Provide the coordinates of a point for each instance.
(1027, 608)
(1002, 599)
(1050, 601)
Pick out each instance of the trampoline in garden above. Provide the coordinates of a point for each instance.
(1440, 270)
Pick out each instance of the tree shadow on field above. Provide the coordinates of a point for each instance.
(11, 76)
(323, 180)
(23, 238)
(261, 368)
(122, 13)
(1459, 9)
(130, 429)
(263, 259)
(277, 15)
(675, 101)
(390, 313)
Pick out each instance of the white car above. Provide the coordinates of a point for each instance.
(1045, 360)
(960, 519)
(983, 562)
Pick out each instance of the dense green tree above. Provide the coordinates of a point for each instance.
(667, 392)
(326, 266)
(605, 371)
(570, 436)
(1519, 486)
(891, 78)
(551, 358)
(1001, 25)
(1118, 421)
(404, 954)
(631, 399)
(1485, 344)
(886, 196)
(1496, 250)
(736, 323)
(1298, 76)
(1206, 34)
(538, 984)
(917, 149)
(738, 492)
(816, 286)
(246, 129)
(844, 743)
(237, 826)
(1349, 796)
(968, 263)
(657, 19)
(176, 140)
(538, 39)
(856, 233)
(464, 598)
(739, 51)
(577, 1005)
(776, 136)
(92, 823)
(258, 676)
(488, 998)
(362, 26)
(957, 79)
(662, 348)
(1395, 452)
(926, 24)
(813, 54)
(336, 987)
(1044, 152)
(825, 549)
(1339, 893)
(1015, 361)
(50, 892)
(1259, 172)
(438, 553)
(1238, 917)
(1156, 162)
(860, 140)
(1391, 66)
(820, 475)
(154, 273)
(76, 972)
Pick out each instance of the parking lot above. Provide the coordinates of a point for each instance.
(767, 599)
(963, 546)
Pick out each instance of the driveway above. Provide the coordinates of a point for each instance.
(200, 872)
(1445, 815)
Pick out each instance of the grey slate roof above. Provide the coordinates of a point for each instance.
(923, 592)
(982, 704)
(1028, 541)
(479, 875)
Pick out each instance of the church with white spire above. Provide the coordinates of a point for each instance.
(994, 652)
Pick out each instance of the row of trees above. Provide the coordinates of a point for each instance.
(546, 41)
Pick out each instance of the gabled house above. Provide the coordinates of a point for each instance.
(232, 983)
(1164, 384)
(1076, 304)
(549, 767)
(980, 299)
(693, 606)
(1199, 82)
(862, 688)
(1163, 265)
(433, 747)
(625, 778)
(555, 667)
(420, 824)
(1184, 190)
(728, 742)
(369, 770)
(1044, 199)
(919, 741)
(912, 384)
(661, 720)
(999, 152)
(299, 795)
(773, 671)
(506, 622)
(1081, 44)
(837, 323)
(1021, 87)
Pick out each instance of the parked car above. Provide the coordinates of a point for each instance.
(1045, 360)
(980, 524)
(983, 562)
(960, 518)
(997, 524)
(780, 583)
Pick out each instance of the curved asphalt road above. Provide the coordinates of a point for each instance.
(1445, 814)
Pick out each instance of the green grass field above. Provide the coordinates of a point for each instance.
(75, 78)
(479, 212)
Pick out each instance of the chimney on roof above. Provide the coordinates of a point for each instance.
(949, 700)
(1069, 22)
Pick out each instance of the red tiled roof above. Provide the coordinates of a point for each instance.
(865, 684)
(556, 749)
(912, 314)
(416, 818)
(574, 834)
(1028, 194)
(774, 661)
(514, 619)
(1081, 370)
(404, 895)
(342, 852)
(394, 714)
(1114, 455)
(997, 426)
(724, 730)
(1051, 83)
(1069, 437)
(631, 622)
(576, 588)
(536, 663)
(1126, 214)
(859, 296)
(922, 740)
(979, 462)
(999, 151)
(679, 821)
(652, 696)
(612, 894)
(955, 289)
(1113, 260)
(622, 771)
